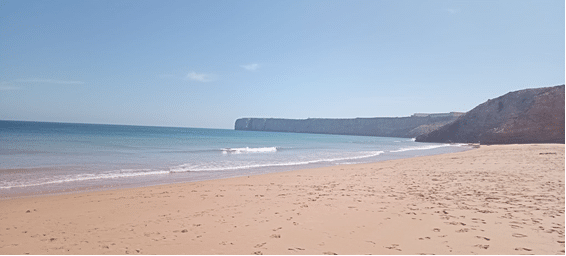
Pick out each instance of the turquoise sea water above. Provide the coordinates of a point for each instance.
(40, 157)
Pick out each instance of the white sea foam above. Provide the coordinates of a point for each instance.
(130, 173)
(424, 147)
(124, 173)
(200, 168)
(248, 150)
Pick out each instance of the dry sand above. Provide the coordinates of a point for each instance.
(492, 200)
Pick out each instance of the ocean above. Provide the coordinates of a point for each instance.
(52, 158)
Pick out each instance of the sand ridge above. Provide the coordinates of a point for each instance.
(492, 200)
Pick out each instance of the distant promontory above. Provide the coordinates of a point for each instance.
(405, 127)
(525, 116)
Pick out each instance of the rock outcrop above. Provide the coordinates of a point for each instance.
(525, 116)
(405, 127)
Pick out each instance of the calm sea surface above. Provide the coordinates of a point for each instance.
(39, 157)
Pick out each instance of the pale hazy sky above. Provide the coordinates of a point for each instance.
(207, 63)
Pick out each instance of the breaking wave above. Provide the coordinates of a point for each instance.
(248, 150)
(212, 167)
(425, 147)
(124, 173)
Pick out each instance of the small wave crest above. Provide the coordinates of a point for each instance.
(200, 168)
(124, 173)
(424, 147)
(248, 150)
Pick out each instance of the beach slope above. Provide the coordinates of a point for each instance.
(503, 199)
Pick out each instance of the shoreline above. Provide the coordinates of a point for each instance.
(42, 190)
(499, 199)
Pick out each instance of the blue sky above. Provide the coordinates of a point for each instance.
(207, 63)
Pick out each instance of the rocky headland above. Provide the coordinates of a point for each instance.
(404, 127)
(525, 116)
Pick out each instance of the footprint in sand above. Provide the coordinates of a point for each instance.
(518, 235)
(393, 247)
(481, 246)
(523, 249)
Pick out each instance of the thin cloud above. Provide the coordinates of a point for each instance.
(4, 87)
(7, 86)
(452, 11)
(250, 67)
(200, 77)
(46, 81)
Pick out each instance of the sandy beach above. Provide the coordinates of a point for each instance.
(506, 199)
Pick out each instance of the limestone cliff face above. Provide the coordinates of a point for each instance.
(525, 116)
(407, 127)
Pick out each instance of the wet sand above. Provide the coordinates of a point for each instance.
(492, 200)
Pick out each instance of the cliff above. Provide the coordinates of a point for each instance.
(407, 127)
(525, 116)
